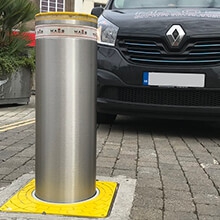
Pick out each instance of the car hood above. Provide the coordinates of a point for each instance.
(158, 21)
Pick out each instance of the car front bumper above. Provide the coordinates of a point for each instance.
(120, 90)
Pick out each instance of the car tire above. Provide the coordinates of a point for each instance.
(103, 118)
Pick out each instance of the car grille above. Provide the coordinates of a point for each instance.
(157, 51)
(164, 96)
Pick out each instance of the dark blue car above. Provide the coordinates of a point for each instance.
(159, 59)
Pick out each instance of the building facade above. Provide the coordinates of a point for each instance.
(87, 5)
(84, 6)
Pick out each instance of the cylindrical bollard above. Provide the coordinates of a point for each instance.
(65, 107)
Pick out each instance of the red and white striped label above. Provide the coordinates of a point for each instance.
(65, 31)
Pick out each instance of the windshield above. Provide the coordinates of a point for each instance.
(120, 4)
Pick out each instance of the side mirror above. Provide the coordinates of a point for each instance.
(97, 11)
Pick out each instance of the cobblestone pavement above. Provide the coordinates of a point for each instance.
(176, 163)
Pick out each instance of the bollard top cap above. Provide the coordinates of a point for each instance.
(66, 16)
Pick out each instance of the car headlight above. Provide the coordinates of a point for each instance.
(107, 32)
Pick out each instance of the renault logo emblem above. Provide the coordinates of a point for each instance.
(175, 35)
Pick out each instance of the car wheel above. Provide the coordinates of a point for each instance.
(103, 118)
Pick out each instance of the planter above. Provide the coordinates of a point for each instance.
(16, 87)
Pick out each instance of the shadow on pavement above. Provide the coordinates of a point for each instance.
(170, 127)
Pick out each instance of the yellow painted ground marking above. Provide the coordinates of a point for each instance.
(16, 125)
(97, 207)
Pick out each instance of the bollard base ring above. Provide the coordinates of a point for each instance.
(61, 203)
(98, 206)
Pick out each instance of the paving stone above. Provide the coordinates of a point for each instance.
(148, 172)
(148, 164)
(179, 205)
(207, 209)
(165, 167)
(171, 215)
(175, 183)
(4, 183)
(112, 146)
(27, 152)
(168, 160)
(186, 159)
(128, 152)
(128, 163)
(197, 179)
(208, 217)
(144, 181)
(5, 170)
(204, 189)
(6, 154)
(149, 192)
(148, 202)
(103, 171)
(146, 214)
(173, 174)
(171, 194)
(207, 199)
(106, 162)
(109, 153)
(123, 172)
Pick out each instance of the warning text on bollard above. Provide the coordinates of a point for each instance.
(74, 31)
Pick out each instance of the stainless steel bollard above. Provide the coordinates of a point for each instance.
(65, 107)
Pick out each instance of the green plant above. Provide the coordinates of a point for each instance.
(13, 51)
(9, 63)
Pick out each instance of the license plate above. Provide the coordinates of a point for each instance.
(174, 79)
